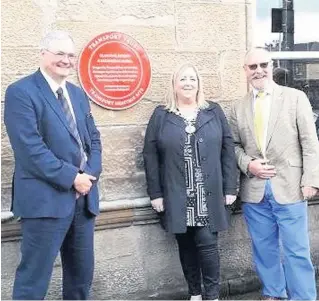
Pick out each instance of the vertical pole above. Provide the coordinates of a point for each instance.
(288, 35)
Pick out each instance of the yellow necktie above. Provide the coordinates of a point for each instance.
(259, 121)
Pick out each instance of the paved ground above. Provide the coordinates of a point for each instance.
(248, 296)
(253, 295)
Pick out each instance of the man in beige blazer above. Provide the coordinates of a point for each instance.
(277, 151)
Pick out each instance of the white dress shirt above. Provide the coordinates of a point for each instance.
(55, 86)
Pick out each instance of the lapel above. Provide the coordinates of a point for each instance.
(51, 99)
(76, 104)
(276, 105)
(171, 117)
(74, 101)
(205, 115)
(249, 112)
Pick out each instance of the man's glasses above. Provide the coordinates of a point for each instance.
(61, 55)
(255, 66)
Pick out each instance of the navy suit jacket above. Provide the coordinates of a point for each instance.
(47, 155)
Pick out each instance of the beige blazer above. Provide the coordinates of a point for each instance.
(291, 145)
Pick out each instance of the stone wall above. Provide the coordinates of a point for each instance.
(140, 262)
(213, 34)
(135, 259)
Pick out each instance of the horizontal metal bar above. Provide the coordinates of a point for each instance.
(295, 55)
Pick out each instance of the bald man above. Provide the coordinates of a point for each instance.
(278, 154)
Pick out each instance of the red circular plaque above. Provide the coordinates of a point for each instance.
(114, 70)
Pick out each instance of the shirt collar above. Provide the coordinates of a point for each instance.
(52, 83)
(268, 90)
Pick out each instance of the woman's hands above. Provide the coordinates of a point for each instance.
(158, 204)
(229, 199)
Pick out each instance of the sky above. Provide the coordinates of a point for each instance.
(306, 21)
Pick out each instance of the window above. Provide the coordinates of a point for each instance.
(305, 22)
(289, 29)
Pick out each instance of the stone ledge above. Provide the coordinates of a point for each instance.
(228, 288)
(104, 206)
(114, 214)
(6, 216)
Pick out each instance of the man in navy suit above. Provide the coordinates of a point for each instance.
(57, 151)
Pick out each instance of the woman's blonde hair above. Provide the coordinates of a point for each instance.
(171, 97)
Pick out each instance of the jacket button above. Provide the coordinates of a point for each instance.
(204, 158)
(209, 193)
(200, 140)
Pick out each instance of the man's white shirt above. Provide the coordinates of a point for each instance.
(54, 87)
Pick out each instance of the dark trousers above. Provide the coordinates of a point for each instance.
(42, 239)
(198, 251)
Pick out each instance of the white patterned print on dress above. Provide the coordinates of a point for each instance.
(202, 204)
(190, 216)
(197, 214)
(189, 175)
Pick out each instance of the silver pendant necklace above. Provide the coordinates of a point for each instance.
(190, 129)
(189, 121)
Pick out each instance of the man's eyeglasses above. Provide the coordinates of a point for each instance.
(61, 55)
(255, 66)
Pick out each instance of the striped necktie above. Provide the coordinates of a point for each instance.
(72, 125)
(259, 120)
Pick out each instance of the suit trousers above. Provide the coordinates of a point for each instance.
(42, 239)
(280, 245)
(198, 251)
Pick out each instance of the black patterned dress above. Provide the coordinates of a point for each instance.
(197, 214)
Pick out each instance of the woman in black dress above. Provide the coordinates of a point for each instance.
(191, 175)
